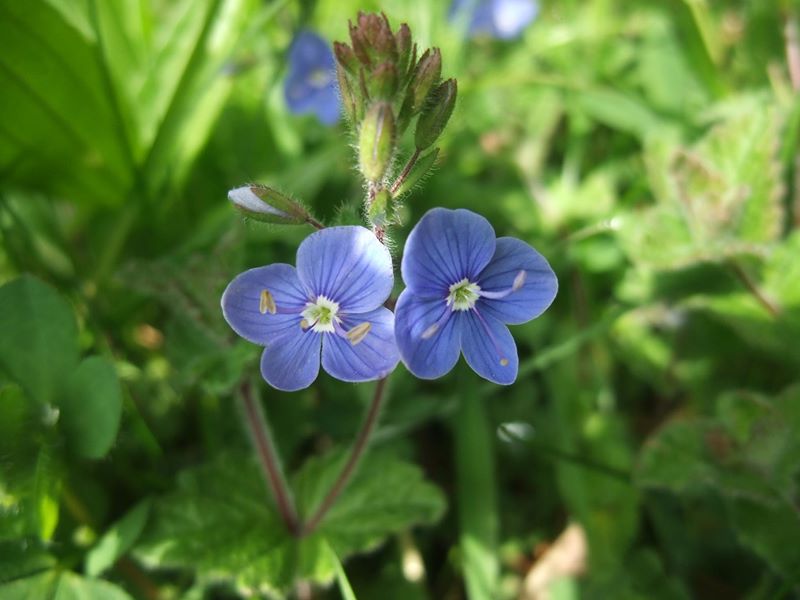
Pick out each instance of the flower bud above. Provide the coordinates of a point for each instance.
(346, 57)
(382, 84)
(403, 40)
(381, 210)
(435, 114)
(351, 101)
(417, 172)
(425, 77)
(376, 141)
(265, 204)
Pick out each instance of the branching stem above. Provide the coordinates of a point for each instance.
(357, 451)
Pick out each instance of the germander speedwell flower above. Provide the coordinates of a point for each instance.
(501, 19)
(463, 286)
(311, 82)
(330, 304)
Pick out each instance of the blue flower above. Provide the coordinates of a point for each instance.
(311, 83)
(503, 19)
(463, 286)
(330, 304)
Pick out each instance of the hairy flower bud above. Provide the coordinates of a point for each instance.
(346, 57)
(382, 83)
(425, 77)
(403, 39)
(353, 106)
(435, 114)
(376, 141)
(265, 204)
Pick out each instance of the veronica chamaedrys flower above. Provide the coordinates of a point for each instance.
(311, 83)
(463, 286)
(331, 304)
(502, 19)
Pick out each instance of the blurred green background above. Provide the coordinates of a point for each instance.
(651, 445)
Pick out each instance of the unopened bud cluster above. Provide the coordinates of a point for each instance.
(385, 86)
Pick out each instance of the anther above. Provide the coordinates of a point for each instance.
(358, 333)
(503, 362)
(428, 333)
(519, 280)
(304, 324)
(267, 303)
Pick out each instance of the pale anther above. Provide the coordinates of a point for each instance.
(358, 333)
(430, 331)
(267, 303)
(519, 280)
(503, 362)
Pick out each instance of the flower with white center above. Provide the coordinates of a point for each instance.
(328, 309)
(311, 83)
(463, 287)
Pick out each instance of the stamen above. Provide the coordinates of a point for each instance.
(503, 359)
(431, 330)
(359, 332)
(304, 324)
(267, 303)
(519, 281)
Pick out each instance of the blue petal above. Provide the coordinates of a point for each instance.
(445, 247)
(511, 17)
(242, 298)
(432, 357)
(347, 265)
(372, 358)
(487, 344)
(292, 364)
(309, 52)
(533, 298)
(327, 105)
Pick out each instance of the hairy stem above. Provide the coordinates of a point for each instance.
(268, 458)
(357, 451)
(314, 223)
(753, 288)
(406, 170)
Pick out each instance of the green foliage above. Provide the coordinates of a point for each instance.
(218, 523)
(648, 150)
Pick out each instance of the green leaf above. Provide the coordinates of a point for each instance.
(117, 540)
(61, 585)
(220, 523)
(477, 497)
(750, 455)
(91, 406)
(39, 345)
(22, 558)
(719, 198)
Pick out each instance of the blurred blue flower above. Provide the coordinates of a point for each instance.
(311, 83)
(330, 304)
(463, 286)
(503, 19)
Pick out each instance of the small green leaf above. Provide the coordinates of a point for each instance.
(417, 173)
(91, 406)
(117, 540)
(39, 344)
(61, 585)
(23, 557)
(221, 524)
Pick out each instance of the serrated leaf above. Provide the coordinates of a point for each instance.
(39, 344)
(91, 407)
(220, 523)
(719, 198)
(61, 585)
(117, 540)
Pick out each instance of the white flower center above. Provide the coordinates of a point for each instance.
(320, 315)
(463, 295)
